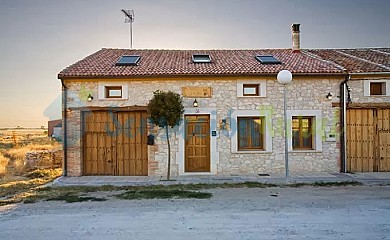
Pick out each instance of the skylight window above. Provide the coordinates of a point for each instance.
(269, 59)
(201, 58)
(129, 60)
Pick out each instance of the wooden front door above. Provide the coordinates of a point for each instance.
(368, 140)
(114, 143)
(197, 143)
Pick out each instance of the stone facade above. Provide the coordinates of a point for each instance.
(358, 85)
(304, 94)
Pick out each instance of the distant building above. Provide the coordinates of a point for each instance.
(57, 132)
(50, 126)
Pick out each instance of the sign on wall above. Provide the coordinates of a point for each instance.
(199, 92)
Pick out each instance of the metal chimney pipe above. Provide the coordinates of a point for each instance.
(296, 41)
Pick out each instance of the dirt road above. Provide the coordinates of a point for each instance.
(353, 212)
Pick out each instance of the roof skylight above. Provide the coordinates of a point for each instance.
(201, 58)
(128, 60)
(267, 59)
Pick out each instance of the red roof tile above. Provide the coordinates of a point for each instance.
(178, 62)
(357, 60)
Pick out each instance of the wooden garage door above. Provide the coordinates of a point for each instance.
(114, 143)
(383, 155)
(368, 140)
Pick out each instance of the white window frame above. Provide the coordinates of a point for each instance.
(366, 87)
(262, 88)
(316, 128)
(266, 115)
(102, 90)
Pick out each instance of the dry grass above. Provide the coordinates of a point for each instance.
(20, 152)
(3, 164)
(26, 187)
(17, 154)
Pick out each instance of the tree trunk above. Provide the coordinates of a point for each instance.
(169, 154)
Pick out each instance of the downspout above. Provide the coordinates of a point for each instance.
(343, 123)
(64, 125)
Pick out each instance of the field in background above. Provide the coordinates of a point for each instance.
(19, 147)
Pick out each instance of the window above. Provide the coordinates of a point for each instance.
(130, 60)
(302, 133)
(377, 88)
(201, 58)
(251, 90)
(250, 133)
(267, 59)
(305, 130)
(113, 92)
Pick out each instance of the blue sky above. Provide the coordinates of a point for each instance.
(39, 38)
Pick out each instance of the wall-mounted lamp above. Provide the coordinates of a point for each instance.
(225, 124)
(90, 98)
(195, 103)
(329, 96)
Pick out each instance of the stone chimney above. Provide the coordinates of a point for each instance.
(296, 41)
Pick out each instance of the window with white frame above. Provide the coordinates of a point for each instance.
(250, 131)
(113, 91)
(305, 130)
(302, 132)
(376, 87)
(251, 88)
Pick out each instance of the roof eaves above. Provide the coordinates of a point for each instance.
(195, 75)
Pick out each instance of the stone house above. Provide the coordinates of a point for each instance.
(233, 121)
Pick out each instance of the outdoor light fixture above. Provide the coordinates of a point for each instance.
(195, 103)
(285, 77)
(90, 98)
(329, 96)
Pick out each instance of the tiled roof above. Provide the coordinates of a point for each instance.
(178, 62)
(363, 60)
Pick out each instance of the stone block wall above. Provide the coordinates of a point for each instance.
(357, 91)
(304, 93)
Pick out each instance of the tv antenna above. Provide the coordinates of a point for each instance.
(129, 18)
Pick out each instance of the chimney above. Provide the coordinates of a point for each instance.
(296, 41)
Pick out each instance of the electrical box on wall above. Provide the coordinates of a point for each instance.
(331, 137)
(150, 139)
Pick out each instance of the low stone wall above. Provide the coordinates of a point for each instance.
(43, 159)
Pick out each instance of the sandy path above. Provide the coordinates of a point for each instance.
(354, 212)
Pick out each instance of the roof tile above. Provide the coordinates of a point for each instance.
(178, 62)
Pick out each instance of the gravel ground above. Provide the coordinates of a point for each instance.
(352, 212)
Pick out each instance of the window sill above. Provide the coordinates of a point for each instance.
(113, 99)
(305, 151)
(251, 152)
(251, 96)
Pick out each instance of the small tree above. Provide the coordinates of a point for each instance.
(165, 110)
